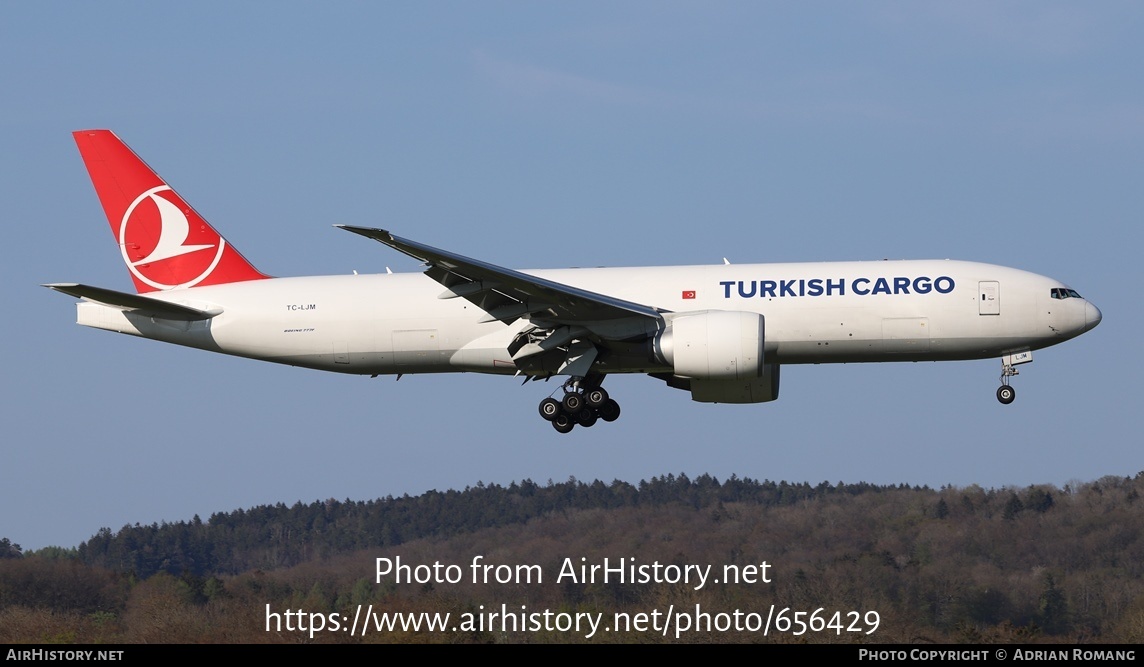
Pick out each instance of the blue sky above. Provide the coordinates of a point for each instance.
(540, 135)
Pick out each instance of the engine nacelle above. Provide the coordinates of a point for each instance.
(713, 345)
(717, 355)
(754, 390)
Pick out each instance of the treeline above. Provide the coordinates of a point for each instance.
(1038, 564)
(275, 536)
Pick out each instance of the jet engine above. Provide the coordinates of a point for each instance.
(718, 356)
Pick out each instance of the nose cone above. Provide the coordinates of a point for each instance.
(1091, 316)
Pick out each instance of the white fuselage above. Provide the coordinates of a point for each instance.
(814, 313)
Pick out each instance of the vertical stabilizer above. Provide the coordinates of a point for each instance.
(164, 242)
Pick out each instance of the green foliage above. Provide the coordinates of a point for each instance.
(1038, 500)
(986, 606)
(60, 585)
(1054, 608)
(54, 553)
(270, 537)
(970, 564)
(1013, 507)
(9, 550)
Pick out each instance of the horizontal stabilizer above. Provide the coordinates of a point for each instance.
(142, 305)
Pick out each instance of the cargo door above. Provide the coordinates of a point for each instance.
(989, 297)
(416, 347)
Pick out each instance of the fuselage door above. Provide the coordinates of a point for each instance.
(989, 297)
(415, 347)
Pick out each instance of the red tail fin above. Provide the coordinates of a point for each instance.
(165, 243)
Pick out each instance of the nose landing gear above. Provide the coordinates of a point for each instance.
(583, 405)
(1006, 393)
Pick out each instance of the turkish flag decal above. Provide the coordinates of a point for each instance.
(688, 294)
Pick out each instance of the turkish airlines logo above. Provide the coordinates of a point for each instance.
(159, 246)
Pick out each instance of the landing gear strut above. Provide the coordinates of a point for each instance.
(1006, 393)
(585, 402)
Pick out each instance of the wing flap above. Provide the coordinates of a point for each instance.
(466, 289)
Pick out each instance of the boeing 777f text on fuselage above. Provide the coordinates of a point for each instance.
(721, 332)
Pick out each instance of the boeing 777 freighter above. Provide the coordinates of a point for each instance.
(721, 332)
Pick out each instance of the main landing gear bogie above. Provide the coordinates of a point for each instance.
(550, 408)
(563, 423)
(579, 407)
(573, 403)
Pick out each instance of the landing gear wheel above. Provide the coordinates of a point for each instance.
(573, 403)
(610, 410)
(587, 417)
(550, 409)
(1006, 394)
(595, 397)
(563, 423)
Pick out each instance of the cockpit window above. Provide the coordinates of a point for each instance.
(1062, 293)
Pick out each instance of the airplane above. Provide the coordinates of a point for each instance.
(721, 332)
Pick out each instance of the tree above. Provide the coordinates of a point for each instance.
(1039, 500)
(1012, 508)
(1054, 608)
(10, 550)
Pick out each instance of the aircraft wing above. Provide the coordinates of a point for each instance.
(136, 303)
(506, 294)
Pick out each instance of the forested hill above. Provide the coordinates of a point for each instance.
(274, 536)
(270, 537)
(1039, 563)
